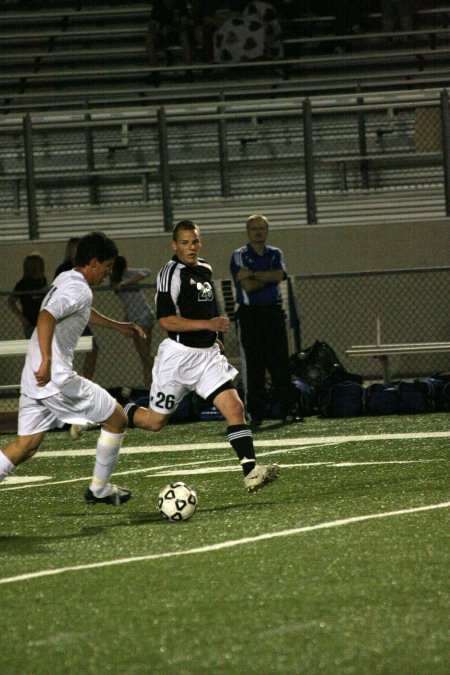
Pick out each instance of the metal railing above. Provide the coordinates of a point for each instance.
(310, 148)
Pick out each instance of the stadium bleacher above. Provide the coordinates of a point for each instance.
(57, 64)
(77, 52)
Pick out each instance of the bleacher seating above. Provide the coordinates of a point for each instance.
(59, 63)
(79, 53)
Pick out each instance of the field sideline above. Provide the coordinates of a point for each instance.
(339, 567)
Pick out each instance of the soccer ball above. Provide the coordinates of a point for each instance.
(177, 501)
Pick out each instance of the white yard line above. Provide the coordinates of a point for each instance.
(223, 545)
(284, 446)
(279, 443)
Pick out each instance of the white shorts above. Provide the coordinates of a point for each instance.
(91, 404)
(178, 370)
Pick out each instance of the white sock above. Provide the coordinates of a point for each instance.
(6, 466)
(108, 448)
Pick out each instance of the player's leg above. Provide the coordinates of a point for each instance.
(145, 418)
(107, 453)
(256, 476)
(33, 421)
(253, 364)
(167, 390)
(276, 348)
(82, 402)
(106, 457)
(21, 449)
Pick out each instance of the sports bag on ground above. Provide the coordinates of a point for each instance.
(317, 362)
(416, 396)
(340, 399)
(381, 399)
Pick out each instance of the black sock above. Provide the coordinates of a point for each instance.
(240, 437)
(130, 409)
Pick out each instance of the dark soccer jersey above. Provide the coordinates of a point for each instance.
(33, 293)
(187, 291)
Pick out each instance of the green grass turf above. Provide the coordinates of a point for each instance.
(362, 597)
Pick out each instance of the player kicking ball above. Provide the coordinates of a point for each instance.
(52, 394)
(190, 358)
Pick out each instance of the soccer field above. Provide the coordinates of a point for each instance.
(340, 566)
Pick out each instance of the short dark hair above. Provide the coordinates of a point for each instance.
(184, 225)
(119, 267)
(94, 245)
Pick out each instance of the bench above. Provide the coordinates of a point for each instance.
(20, 348)
(382, 160)
(383, 351)
(367, 38)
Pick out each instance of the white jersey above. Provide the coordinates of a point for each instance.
(69, 301)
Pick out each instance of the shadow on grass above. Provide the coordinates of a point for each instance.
(19, 545)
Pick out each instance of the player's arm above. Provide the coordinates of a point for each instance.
(124, 327)
(45, 329)
(254, 280)
(178, 324)
(139, 275)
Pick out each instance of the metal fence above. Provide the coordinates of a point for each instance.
(316, 150)
(341, 309)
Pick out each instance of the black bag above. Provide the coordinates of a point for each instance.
(381, 399)
(340, 399)
(317, 362)
(441, 383)
(416, 396)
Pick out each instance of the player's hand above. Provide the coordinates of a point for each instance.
(220, 324)
(139, 330)
(220, 345)
(44, 373)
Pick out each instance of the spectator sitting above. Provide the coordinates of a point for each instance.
(169, 24)
(31, 289)
(398, 14)
(209, 16)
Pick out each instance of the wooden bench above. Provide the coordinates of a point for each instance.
(20, 348)
(383, 351)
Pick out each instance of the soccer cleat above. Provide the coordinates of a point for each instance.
(116, 495)
(260, 476)
(292, 419)
(76, 431)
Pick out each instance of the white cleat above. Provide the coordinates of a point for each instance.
(260, 476)
(76, 431)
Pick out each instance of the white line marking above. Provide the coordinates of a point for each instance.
(223, 545)
(280, 443)
(23, 481)
(292, 444)
(330, 465)
(18, 480)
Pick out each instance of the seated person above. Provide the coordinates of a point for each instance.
(169, 24)
(209, 15)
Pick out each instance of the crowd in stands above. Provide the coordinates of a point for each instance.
(238, 30)
(215, 30)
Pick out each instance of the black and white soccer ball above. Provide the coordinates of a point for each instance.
(177, 501)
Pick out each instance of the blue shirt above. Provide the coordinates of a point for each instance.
(247, 258)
